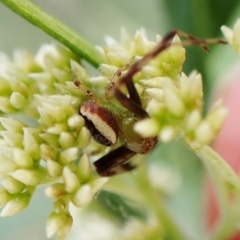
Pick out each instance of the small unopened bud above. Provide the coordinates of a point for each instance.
(76, 122)
(167, 134)
(70, 180)
(83, 196)
(16, 205)
(192, 120)
(98, 184)
(30, 144)
(84, 169)
(147, 127)
(17, 100)
(12, 125)
(54, 223)
(48, 152)
(83, 138)
(5, 105)
(22, 158)
(204, 133)
(12, 185)
(4, 197)
(13, 139)
(67, 140)
(54, 168)
(69, 155)
(29, 177)
(55, 191)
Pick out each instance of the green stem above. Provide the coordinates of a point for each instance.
(158, 207)
(56, 29)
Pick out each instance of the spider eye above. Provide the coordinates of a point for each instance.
(101, 122)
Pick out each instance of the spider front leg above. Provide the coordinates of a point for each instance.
(115, 162)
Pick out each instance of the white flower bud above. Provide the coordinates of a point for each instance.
(55, 191)
(22, 158)
(83, 196)
(84, 169)
(29, 177)
(193, 120)
(12, 185)
(67, 140)
(70, 180)
(16, 205)
(147, 127)
(98, 184)
(83, 138)
(54, 169)
(69, 155)
(4, 197)
(5, 105)
(30, 143)
(13, 139)
(51, 139)
(48, 152)
(54, 223)
(167, 134)
(204, 133)
(17, 100)
(76, 122)
(12, 125)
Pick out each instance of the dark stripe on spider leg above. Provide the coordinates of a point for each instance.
(129, 104)
(114, 162)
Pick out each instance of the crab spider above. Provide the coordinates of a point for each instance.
(106, 127)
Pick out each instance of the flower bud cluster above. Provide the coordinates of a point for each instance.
(27, 75)
(20, 168)
(173, 100)
(53, 152)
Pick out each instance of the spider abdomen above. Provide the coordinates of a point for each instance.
(101, 122)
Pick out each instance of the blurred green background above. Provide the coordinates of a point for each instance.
(94, 19)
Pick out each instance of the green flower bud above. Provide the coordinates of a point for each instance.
(17, 100)
(50, 139)
(83, 196)
(4, 197)
(69, 155)
(13, 139)
(147, 127)
(70, 179)
(48, 152)
(204, 133)
(12, 125)
(168, 133)
(83, 138)
(54, 223)
(55, 191)
(98, 184)
(30, 177)
(76, 122)
(22, 158)
(30, 143)
(54, 169)
(16, 205)
(67, 140)
(12, 185)
(84, 170)
(5, 105)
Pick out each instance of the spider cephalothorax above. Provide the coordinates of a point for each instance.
(106, 127)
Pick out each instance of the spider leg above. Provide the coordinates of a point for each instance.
(115, 162)
(133, 103)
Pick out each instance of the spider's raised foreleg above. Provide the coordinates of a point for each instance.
(133, 103)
